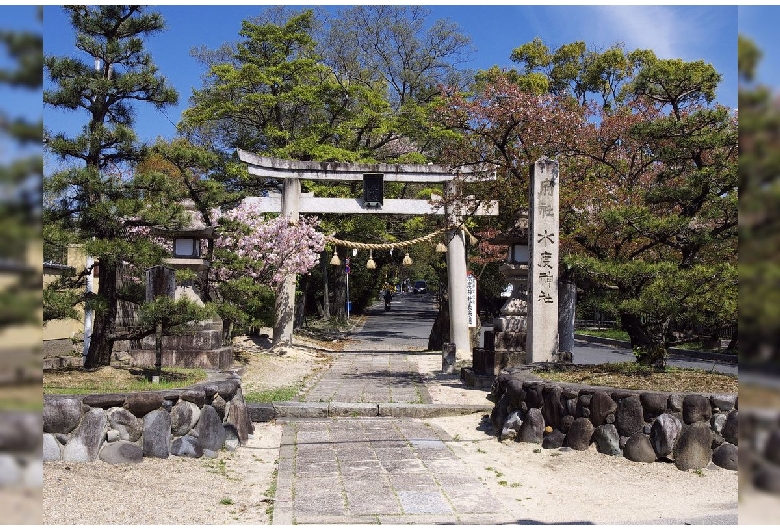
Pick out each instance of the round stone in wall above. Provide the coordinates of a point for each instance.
(607, 439)
(663, 434)
(693, 449)
(639, 449)
(580, 434)
(726, 456)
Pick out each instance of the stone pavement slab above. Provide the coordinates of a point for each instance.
(370, 378)
(381, 470)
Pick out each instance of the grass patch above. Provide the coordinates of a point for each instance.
(617, 334)
(226, 501)
(285, 393)
(270, 493)
(109, 379)
(632, 376)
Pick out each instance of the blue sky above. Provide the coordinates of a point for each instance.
(688, 32)
(759, 23)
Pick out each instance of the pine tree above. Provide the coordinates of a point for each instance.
(98, 199)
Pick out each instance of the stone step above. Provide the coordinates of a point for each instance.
(263, 412)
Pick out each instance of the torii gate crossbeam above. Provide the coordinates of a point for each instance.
(292, 203)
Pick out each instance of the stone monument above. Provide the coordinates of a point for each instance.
(543, 243)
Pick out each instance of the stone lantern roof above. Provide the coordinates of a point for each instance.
(194, 226)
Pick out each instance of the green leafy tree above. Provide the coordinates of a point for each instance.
(759, 163)
(648, 179)
(99, 199)
(299, 85)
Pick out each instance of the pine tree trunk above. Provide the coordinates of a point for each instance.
(102, 342)
(648, 345)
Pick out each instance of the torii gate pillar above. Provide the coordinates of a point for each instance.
(456, 277)
(285, 298)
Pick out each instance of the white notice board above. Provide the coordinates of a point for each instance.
(471, 300)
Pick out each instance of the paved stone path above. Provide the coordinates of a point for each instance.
(390, 471)
(370, 378)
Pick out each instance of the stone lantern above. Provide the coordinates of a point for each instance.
(504, 346)
(188, 241)
(515, 270)
(201, 345)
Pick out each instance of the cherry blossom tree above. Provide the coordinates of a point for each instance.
(254, 253)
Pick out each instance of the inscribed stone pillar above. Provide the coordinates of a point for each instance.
(543, 238)
(456, 276)
(284, 310)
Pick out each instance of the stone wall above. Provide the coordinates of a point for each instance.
(690, 429)
(194, 422)
(760, 450)
(20, 449)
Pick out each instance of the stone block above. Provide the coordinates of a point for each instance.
(772, 447)
(52, 450)
(121, 452)
(663, 434)
(675, 403)
(552, 410)
(448, 358)
(639, 449)
(730, 430)
(629, 416)
(141, 403)
(194, 395)
(723, 402)
(553, 440)
(211, 433)
(533, 394)
(532, 428)
(509, 340)
(726, 456)
(653, 404)
(157, 434)
(767, 478)
(85, 442)
(60, 414)
(693, 448)
(20, 431)
(580, 434)
(187, 446)
(601, 406)
(518, 323)
(123, 421)
(237, 415)
(261, 412)
(292, 409)
(696, 408)
(607, 440)
(10, 471)
(353, 409)
(184, 416)
(104, 401)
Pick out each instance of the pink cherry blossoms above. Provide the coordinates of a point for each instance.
(268, 249)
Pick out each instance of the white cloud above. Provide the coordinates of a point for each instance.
(666, 30)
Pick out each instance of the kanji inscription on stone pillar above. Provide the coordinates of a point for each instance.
(543, 238)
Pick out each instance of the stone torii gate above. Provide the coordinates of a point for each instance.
(292, 203)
